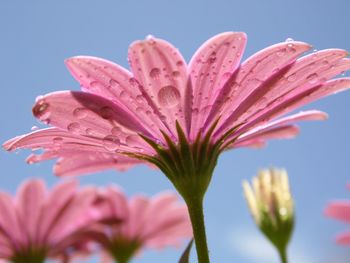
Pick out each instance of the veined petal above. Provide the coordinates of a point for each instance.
(85, 163)
(289, 94)
(54, 206)
(161, 70)
(210, 68)
(137, 216)
(246, 85)
(259, 138)
(61, 141)
(111, 81)
(30, 203)
(90, 115)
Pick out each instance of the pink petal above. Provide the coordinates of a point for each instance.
(257, 139)
(283, 87)
(138, 206)
(115, 83)
(343, 239)
(31, 196)
(86, 163)
(90, 115)
(210, 67)
(54, 206)
(72, 215)
(9, 224)
(161, 70)
(339, 210)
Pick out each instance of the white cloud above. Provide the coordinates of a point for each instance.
(255, 248)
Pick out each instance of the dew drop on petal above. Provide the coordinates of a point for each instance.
(57, 140)
(133, 82)
(179, 63)
(114, 84)
(73, 127)
(312, 78)
(154, 73)
(176, 74)
(116, 131)
(289, 39)
(111, 142)
(291, 77)
(41, 109)
(34, 128)
(106, 112)
(169, 96)
(132, 139)
(281, 52)
(80, 113)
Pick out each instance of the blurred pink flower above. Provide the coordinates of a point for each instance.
(154, 222)
(38, 223)
(92, 127)
(340, 210)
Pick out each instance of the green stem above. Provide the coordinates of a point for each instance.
(195, 209)
(283, 255)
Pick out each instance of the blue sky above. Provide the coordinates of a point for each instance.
(37, 35)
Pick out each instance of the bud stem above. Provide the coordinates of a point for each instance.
(283, 255)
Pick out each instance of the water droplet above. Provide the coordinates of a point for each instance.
(168, 96)
(312, 78)
(291, 77)
(139, 98)
(132, 139)
(155, 73)
(74, 127)
(34, 128)
(95, 85)
(179, 63)
(41, 109)
(289, 39)
(114, 84)
(281, 52)
(133, 82)
(57, 140)
(226, 76)
(116, 131)
(212, 57)
(106, 112)
(149, 37)
(80, 113)
(111, 142)
(176, 74)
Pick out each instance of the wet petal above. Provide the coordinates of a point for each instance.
(109, 80)
(161, 70)
(282, 93)
(90, 115)
(79, 164)
(211, 67)
(246, 84)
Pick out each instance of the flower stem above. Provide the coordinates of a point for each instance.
(283, 255)
(195, 209)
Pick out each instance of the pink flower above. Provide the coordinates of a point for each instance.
(154, 222)
(340, 210)
(242, 103)
(38, 223)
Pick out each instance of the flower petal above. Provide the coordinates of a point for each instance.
(161, 70)
(343, 239)
(30, 203)
(87, 163)
(91, 115)
(111, 81)
(246, 84)
(210, 67)
(312, 73)
(339, 210)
